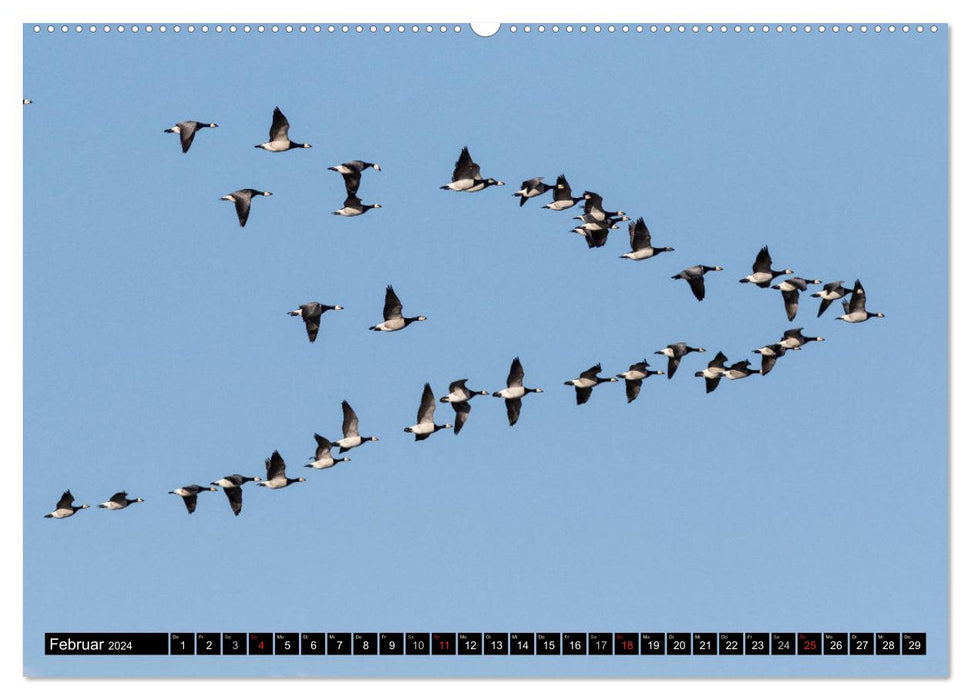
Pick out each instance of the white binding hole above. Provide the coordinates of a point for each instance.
(920, 28)
(36, 28)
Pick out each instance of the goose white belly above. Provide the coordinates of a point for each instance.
(323, 463)
(641, 254)
(421, 429)
(461, 185)
(513, 392)
(633, 374)
(349, 442)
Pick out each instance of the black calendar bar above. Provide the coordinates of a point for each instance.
(487, 644)
(101, 644)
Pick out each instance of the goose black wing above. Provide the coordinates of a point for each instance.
(591, 373)
(768, 362)
(280, 129)
(791, 301)
(242, 201)
(323, 447)
(190, 502)
(513, 406)
(583, 394)
(426, 410)
(275, 466)
(697, 284)
(718, 362)
(465, 167)
(640, 236)
(633, 388)
(235, 496)
(66, 500)
(392, 304)
(187, 132)
(858, 300)
(763, 261)
(562, 191)
(462, 409)
(597, 238)
(349, 427)
(311, 318)
(352, 181)
(516, 375)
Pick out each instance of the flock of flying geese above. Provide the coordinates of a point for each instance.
(596, 223)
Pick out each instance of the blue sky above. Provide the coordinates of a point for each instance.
(158, 352)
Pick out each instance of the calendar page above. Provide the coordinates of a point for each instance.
(552, 350)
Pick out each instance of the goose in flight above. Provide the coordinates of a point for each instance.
(854, 310)
(585, 383)
(322, 457)
(466, 177)
(311, 313)
(353, 206)
(352, 438)
(714, 372)
(830, 293)
(635, 376)
(532, 188)
(65, 507)
(790, 289)
(762, 272)
(242, 199)
(280, 135)
(190, 494)
(515, 391)
(233, 487)
(187, 132)
(459, 396)
(562, 196)
(739, 370)
(120, 500)
(640, 244)
(393, 320)
(770, 353)
(695, 277)
(426, 425)
(793, 339)
(351, 170)
(674, 352)
(593, 207)
(276, 473)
